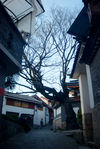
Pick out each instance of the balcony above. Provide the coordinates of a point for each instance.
(11, 43)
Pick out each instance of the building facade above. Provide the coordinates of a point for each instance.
(59, 121)
(60, 116)
(87, 67)
(17, 17)
(25, 106)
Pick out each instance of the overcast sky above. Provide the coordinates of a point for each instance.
(70, 4)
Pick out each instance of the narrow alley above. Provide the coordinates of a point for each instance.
(41, 139)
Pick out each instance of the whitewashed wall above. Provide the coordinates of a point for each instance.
(20, 110)
(29, 26)
(46, 115)
(59, 110)
(38, 115)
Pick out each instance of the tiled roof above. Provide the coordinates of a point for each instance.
(92, 44)
(26, 98)
(81, 25)
(75, 60)
(91, 48)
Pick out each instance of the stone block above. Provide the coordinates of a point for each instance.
(63, 125)
(96, 124)
(87, 127)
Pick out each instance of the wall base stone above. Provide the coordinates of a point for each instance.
(87, 127)
(96, 125)
(58, 124)
(63, 125)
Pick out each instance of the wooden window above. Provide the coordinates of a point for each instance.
(17, 103)
(25, 104)
(9, 102)
(31, 106)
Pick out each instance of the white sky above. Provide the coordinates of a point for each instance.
(70, 4)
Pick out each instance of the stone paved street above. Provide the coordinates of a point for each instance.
(40, 139)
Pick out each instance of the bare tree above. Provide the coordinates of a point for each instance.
(47, 60)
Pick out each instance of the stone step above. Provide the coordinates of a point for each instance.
(92, 144)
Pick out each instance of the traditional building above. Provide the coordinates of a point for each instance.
(11, 49)
(16, 17)
(23, 14)
(59, 109)
(46, 103)
(22, 106)
(59, 121)
(86, 29)
(73, 87)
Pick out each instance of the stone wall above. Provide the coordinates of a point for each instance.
(87, 127)
(63, 114)
(95, 74)
(9, 129)
(91, 126)
(63, 125)
(58, 123)
(96, 125)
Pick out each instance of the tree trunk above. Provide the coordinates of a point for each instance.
(71, 122)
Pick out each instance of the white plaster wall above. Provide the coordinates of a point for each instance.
(46, 115)
(20, 110)
(76, 109)
(38, 115)
(7, 108)
(59, 110)
(41, 115)
(27, 24)
(91, 98)
(55, 113)
(84, 93)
